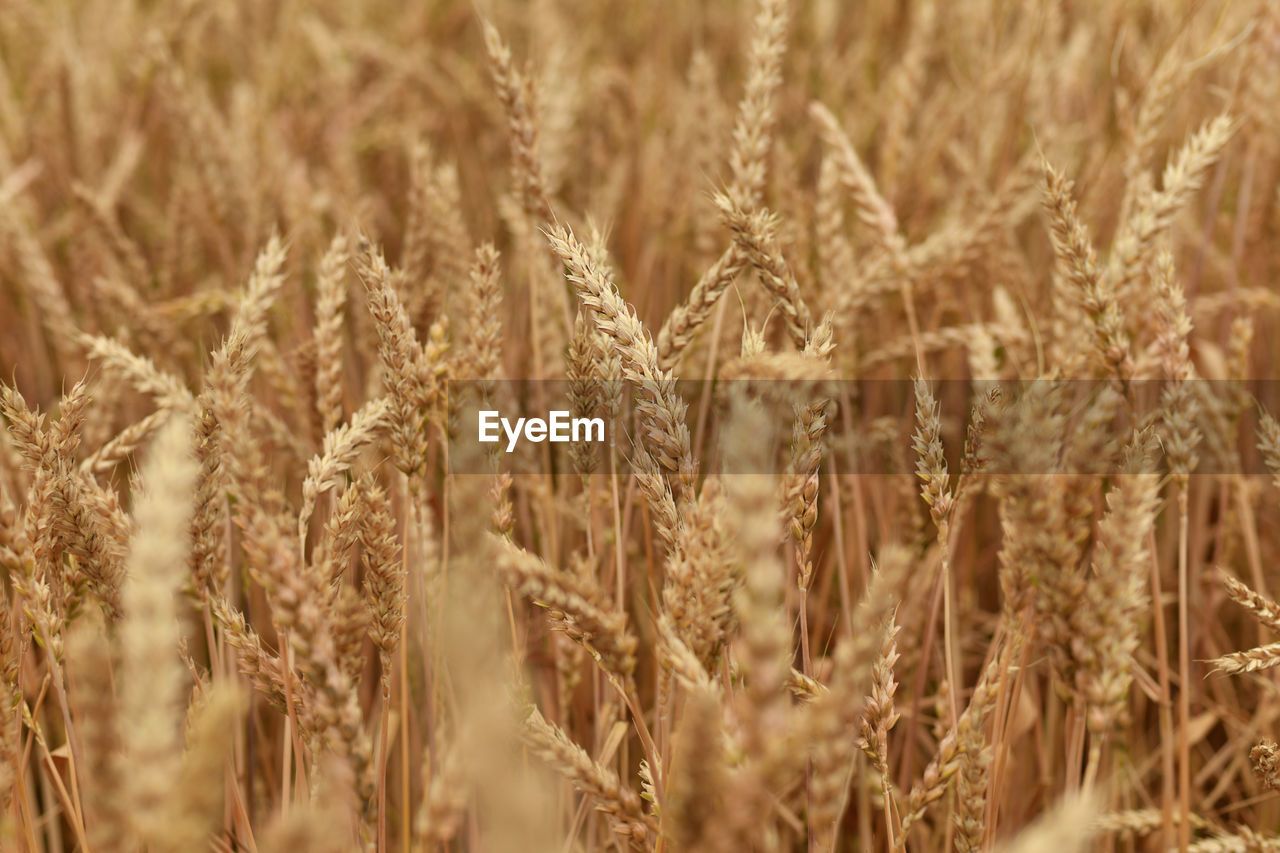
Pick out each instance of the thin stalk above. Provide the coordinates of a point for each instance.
(1095, 759)
(406, 829)
(1184, 674)
(842, 562)
(948, 621)
(651, 751)
(1075, 747)
(1003, 732)
(922, 674)
(805, 663)
(286, 751)
(21, 804)
(74, 817)
(384, 722)
(704, 408)
(1165, 710)
(52, 828)
(408, 516)
(72, 741)
(619, 552)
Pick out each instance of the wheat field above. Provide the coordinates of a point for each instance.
(934, 504)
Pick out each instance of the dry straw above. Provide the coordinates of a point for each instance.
(263, 590)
